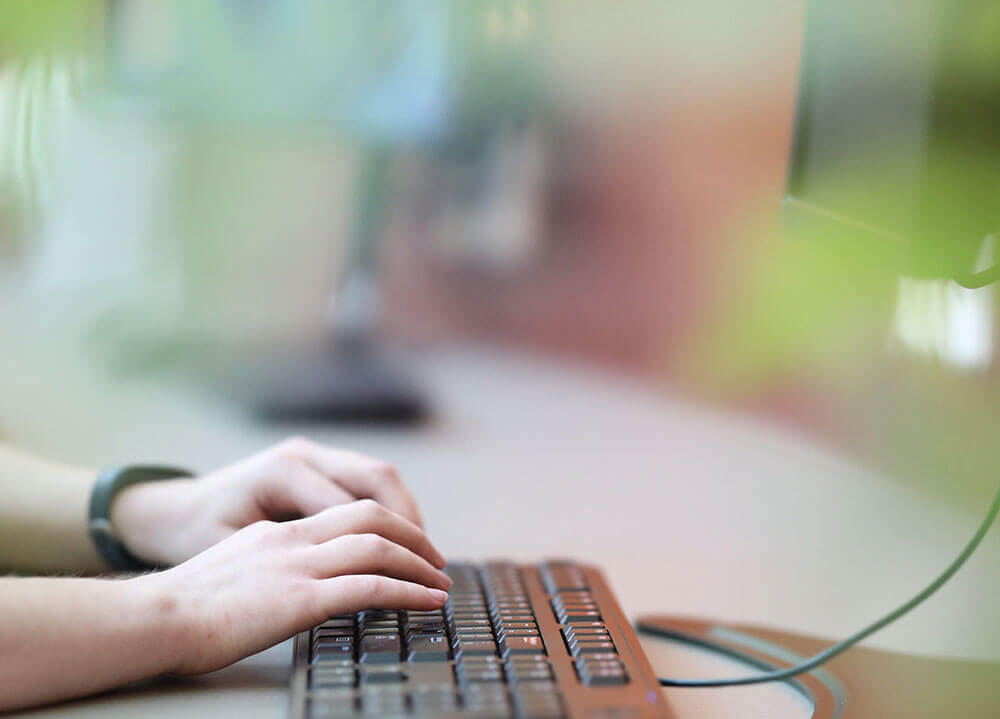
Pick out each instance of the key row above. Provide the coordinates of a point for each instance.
(595, 656)
(540, 701)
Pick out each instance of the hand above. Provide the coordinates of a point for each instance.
(269, 581)
(167, 522)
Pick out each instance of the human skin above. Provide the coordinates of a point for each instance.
(241, 580)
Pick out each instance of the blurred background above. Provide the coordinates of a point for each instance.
(288, 207)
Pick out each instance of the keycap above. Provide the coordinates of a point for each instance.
(571, 631)
(380, 674)
(337, 622)
(529, 671)
(382, 701)
(476, 647)
(594, 680)
(428, 649)
(333, 652)
(342, 678)
(517, 632)
(582, 647)
(434, 701)
(490, 699)
(481, 675)
(600, 670)
(516, 625)
(330, 703)
(423, 674)
(538, 700)
(516, 618)
(521, 645)
(467, 623)
(557, 576)
(379, 648)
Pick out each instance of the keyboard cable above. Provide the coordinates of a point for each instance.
(829, 653)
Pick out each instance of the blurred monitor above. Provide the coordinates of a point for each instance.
(896, 139)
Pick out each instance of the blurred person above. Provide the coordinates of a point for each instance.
(253, 553)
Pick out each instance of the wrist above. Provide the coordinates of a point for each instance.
(165, 617)
(146, 517)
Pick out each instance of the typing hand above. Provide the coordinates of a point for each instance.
(271, 580)
(167, 522)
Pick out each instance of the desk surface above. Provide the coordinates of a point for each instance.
(688, 510)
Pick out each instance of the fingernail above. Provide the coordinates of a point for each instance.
(444, 581)
(439, 596)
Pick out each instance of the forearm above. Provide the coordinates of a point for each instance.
(67, 637)
(43, 516)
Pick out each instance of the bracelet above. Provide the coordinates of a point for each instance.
(109, 483)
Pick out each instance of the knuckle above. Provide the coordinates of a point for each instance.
(294, 530)
(369, 509)
(261, 529)
(294, 445)
(386, 473)
(372, 545)
(371, 587)
(280, 461)
(296, 441)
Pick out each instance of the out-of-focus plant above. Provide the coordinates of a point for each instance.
(807, 321)
(29, 28)
(44, 48)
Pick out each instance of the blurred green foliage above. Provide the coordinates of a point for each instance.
(31, 27)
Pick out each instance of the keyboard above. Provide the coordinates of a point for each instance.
(545, 641)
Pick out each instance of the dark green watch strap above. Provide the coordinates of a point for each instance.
(109, 483)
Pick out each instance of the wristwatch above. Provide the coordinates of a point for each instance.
(109, 483)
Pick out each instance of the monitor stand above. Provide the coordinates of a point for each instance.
(348, 380)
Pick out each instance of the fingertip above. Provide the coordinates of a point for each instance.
(443, 581)
(437, 596)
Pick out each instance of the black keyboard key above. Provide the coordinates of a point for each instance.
(535, 669)
(486, 699)
(479, 647)
(333, 652)
(428, 649)
(467, 623)
(434, 701)
(521, 645)
(381, 674)
(600, 670)
(343, 677)
(472, 635)
(379, 648)
(559, 576)
(538, 701)
(430, 674)
(382, 700)
(578, 615)
(516, 625)
(592, 647)
(517, 632)
(605, 680)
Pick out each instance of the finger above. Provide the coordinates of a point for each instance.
(355, 592)
(372, 554)
(366, 516)
(294, 487)
(364, 477)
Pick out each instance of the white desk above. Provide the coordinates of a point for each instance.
(688, 511)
